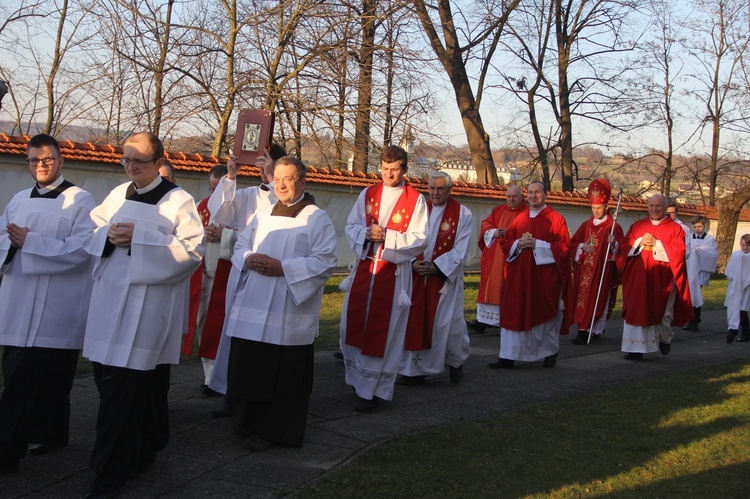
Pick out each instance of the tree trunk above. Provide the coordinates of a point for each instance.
(563, 95)
(729, 211)
(55, 67)
(364, 89)
(479, 140)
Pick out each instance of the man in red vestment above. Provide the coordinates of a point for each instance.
(536, 277)
(492, 260)
(655, 291)
(208, 287)
(592, 250)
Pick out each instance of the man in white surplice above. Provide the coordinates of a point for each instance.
(43, 302)
(386, 229)
(284, 258)
(234, 209)
(704, 254)
(148, 243)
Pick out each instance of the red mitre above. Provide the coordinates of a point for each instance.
(599, 191)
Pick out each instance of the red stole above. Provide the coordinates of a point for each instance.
(215, 312)
(365, 329)
(425, 292)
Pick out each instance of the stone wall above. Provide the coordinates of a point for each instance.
(337, 200)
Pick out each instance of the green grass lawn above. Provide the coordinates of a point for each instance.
(333, 299)
(682, 435)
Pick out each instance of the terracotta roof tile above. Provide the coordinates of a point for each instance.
(108, 154)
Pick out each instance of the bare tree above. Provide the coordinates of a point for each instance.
(719, 45)
(585, 31)
(531, 30)
(483, 33)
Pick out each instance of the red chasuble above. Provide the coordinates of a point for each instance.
(425, 291)
(215, 313)
(493, 258)
(587, 274)
(369, 331)
(531, 292)
(646, 282)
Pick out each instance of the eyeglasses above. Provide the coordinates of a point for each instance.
(45, 161)
(135, 162)
(284, 180)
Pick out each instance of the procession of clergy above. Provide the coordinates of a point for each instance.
(244, 271)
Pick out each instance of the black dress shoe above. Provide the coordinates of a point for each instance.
(743, 338)
(223, 410)
(209, 392)
(99, 490)
(37, 449)
(581, 338)
(550, 361)
(364, 405)
(688, 326)
(339, 355)
(256, 443)
(664, 348)
(501, 364)
(9, 465)
(633, 356)
(476, 326)
(731, 335)
(456, 374)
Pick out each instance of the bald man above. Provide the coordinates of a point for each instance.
(492, 261)
(655, 292)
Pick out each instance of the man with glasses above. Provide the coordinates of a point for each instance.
(284, 258)
(234, 208)
(146, 244)
(43, 302)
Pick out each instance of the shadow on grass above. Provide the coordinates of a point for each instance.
(672, 436)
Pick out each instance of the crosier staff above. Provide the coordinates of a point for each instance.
(604, 267)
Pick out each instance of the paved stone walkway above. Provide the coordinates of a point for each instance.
(204, 459)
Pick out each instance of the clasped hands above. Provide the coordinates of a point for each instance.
(527, 241)
(264, 264)
(120, 234)
(375, 233)
(213, 232)
(648, 240)
(424, 267)
(17, 234)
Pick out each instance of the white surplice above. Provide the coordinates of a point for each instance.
(139, 304)
(234, 209)
(701, 263)
(450, 339)
(738, 289)
(375, 376)
(44, 297)
(283, 310)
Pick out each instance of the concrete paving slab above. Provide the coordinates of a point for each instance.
(204, 458)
